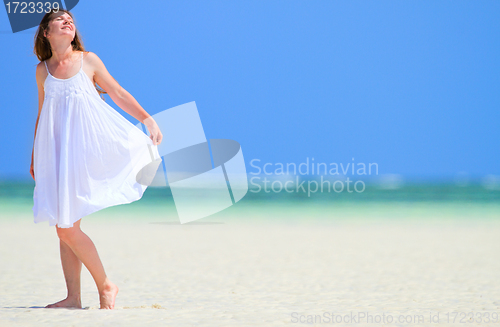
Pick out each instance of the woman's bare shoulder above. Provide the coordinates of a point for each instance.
(41, 72)
(40, 65)
(93, 60)
(89, 55)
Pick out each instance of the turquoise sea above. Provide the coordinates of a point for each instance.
(430, 200)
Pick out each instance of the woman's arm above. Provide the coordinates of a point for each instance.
(121, 97)
(40, 76)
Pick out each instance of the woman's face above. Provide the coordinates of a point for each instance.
(61, 26)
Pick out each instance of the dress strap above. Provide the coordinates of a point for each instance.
(45, 62)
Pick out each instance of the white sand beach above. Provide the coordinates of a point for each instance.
(255, 271)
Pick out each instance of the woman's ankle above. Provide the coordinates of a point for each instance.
(74, 297)
(106, 286)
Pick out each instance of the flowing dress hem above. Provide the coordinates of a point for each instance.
(53, 221)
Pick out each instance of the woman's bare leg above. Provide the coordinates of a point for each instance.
(72, 268)
(84, 249)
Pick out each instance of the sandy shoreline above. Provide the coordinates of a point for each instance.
(225, 273)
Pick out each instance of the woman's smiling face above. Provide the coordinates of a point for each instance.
(62, 25)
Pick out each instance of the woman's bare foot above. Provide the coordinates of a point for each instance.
(67, 303)
(108, 295)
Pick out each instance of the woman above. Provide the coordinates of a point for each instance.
(86, 155)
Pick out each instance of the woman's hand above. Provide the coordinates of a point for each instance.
(154, 130)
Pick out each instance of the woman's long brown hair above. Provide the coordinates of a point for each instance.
(42, 47)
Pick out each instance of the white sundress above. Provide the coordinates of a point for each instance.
(86, 155)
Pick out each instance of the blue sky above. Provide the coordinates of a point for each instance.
(410, 85)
